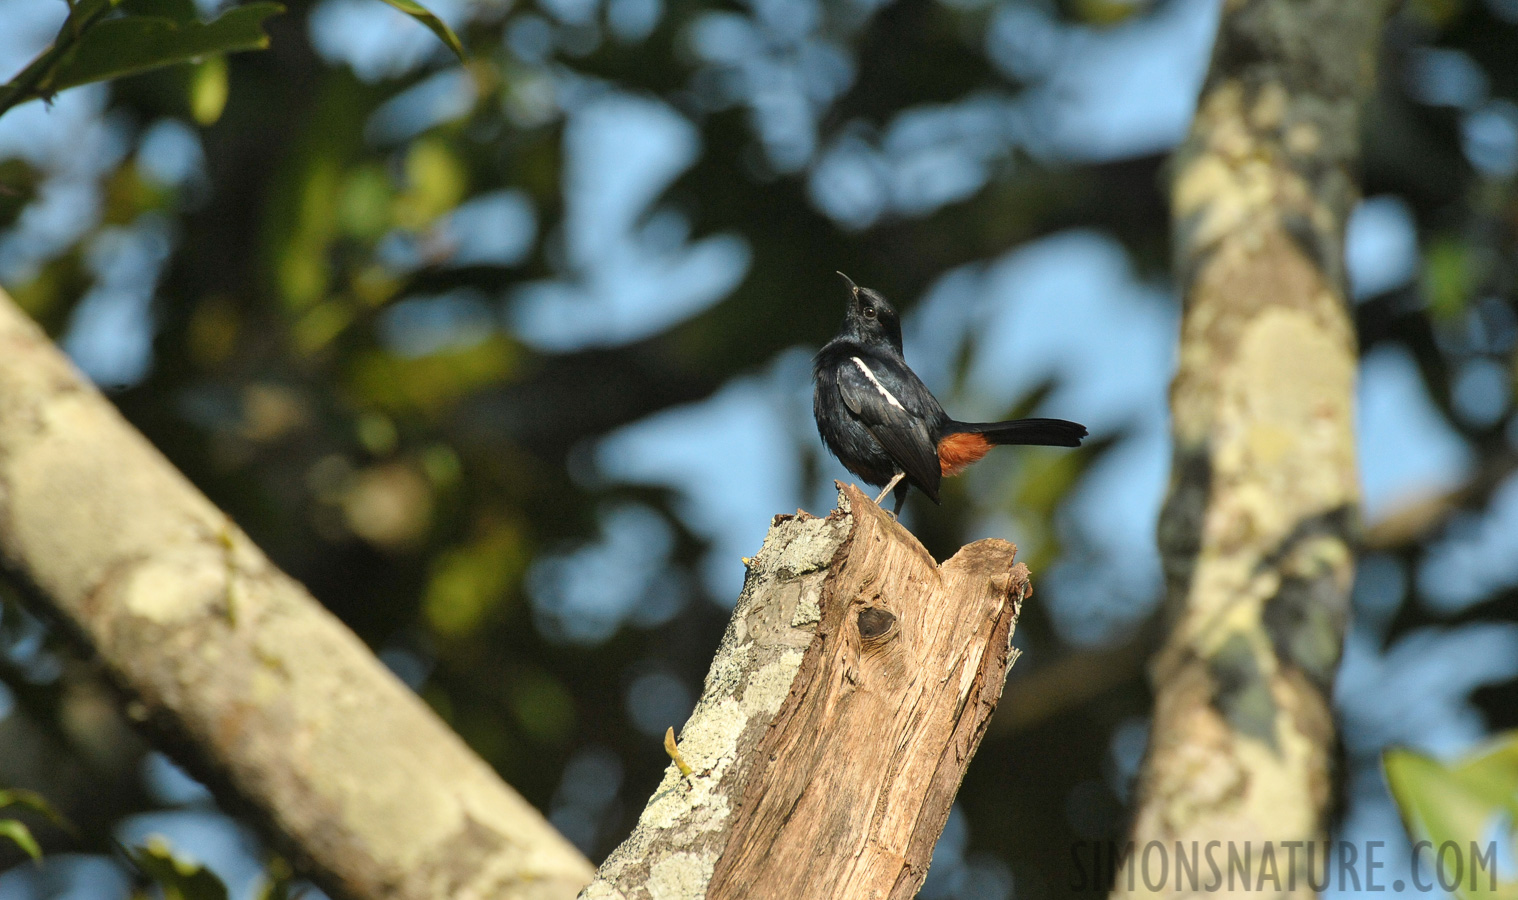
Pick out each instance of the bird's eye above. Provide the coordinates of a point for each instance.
(869, 312)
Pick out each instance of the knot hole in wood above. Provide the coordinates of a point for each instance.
(876, 625)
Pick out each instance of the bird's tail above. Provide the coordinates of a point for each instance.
(1040, 432)
(965, 442)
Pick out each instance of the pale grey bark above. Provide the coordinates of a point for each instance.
(1257, 531)
(843, 707)
(673, 849)
(233, 665)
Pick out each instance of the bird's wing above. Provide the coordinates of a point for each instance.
(889, 409)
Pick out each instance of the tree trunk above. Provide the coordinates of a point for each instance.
(237, 668)
(1256, 533)
(851, 690)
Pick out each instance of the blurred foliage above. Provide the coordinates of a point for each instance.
(176, 877)
(434, 24)
(16, 831)
(1474, 799)
(105, 39)
(415, 475)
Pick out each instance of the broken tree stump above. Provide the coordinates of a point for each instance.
(848, 695)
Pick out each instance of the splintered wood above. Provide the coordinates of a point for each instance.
(861, 765)
(839, 786)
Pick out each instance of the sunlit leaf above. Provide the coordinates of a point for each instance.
(1460, 802)
(42, 296)
(1045, 479)
(438, 26)
(21, 836)
(430, 384)
(375, 285)
(278, 881)
(364, 205)
(179, 879)
(128, 194)
(435, 183)
(1108, 12)
(377, 433)
(320, 325)
(303, 222)
(126, 46)
(1448, 277)
(303, 270)
(36, 803)
(442, 465)
(209, 90)
(1493, 769)
(1436, 803)
(470, 583)
(34, 81)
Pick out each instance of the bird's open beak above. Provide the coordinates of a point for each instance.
(853, 288)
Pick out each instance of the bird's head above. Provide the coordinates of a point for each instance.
(870, 320)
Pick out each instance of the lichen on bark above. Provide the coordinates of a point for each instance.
(682, 830)
(850, 692)
(236, 670)
(1257, 530)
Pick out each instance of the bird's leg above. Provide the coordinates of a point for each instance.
(888, 488)
(901, 498)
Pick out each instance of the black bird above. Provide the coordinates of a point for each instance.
(878, 418)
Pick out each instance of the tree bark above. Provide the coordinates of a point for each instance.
(237, 668)
(1256, 534)
(854, 684)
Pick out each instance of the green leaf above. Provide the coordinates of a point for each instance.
(18, 185)
(1434, 802)
(208, 90)
(36, 803)
(179, 878)
(1459, 802)
(21, 836)
(82, 13)
(31, 82)
(436, 182)
(181, 11)
(1492, 771)
(469, 584)
(133, 44)
(438, 26)
(431, 385)
(1450, 274)
(278, 882)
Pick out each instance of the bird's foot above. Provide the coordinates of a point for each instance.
(890, 487)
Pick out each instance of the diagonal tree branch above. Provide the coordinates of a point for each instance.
(237, 669)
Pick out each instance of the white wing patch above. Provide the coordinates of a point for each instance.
(890, 398)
